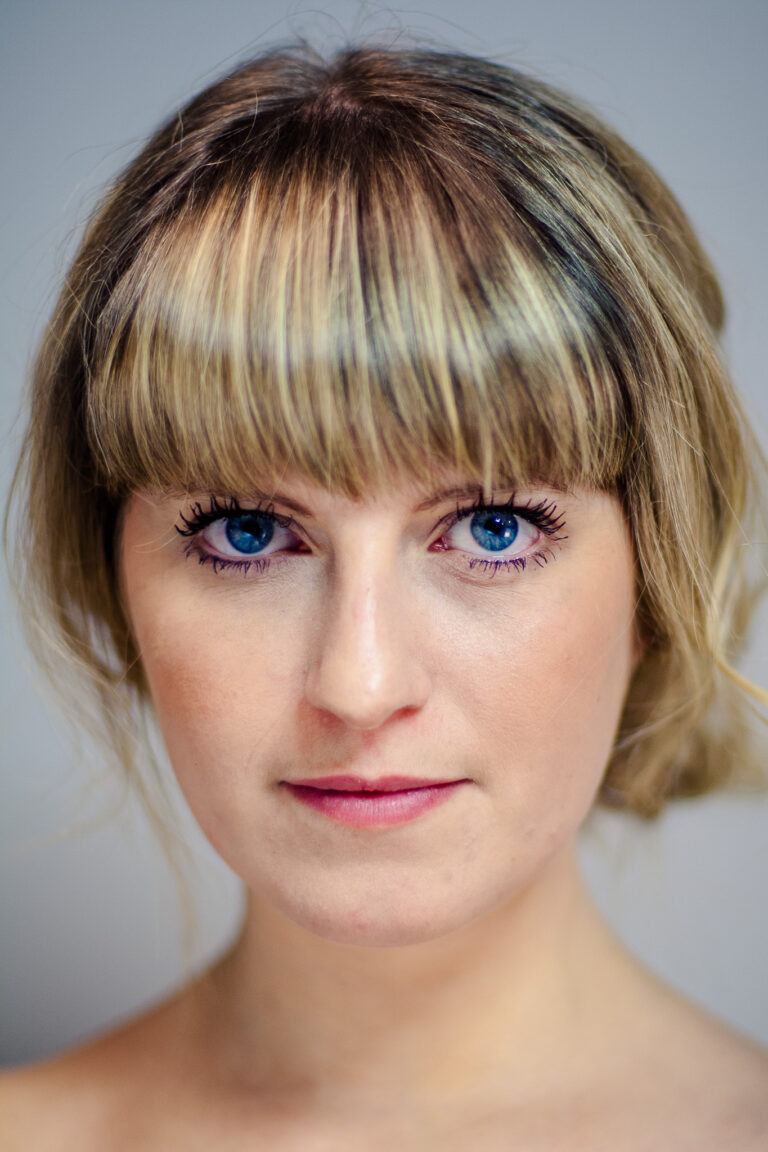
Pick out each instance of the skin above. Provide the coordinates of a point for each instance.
(445, 983)
(369, 653)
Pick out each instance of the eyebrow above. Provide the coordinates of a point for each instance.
(458, 493)
(455, 493)
(278, 498)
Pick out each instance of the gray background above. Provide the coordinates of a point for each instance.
(89, 929)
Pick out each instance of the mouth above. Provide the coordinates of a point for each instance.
(360, 784)
(362, 803)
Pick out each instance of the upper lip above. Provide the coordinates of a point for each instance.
(359, 784)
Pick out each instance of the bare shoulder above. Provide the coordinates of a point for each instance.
(731, 1075)
(78, 1100)
(43, 1106)
(740, 1068)
(51, 1106)
(701, 1078)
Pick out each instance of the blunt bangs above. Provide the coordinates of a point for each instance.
(347, 320)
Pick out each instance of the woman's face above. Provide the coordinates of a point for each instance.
(385, 638)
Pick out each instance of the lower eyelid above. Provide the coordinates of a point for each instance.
(219, 562)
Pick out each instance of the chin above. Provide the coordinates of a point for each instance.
(364, 930)
(389, 918)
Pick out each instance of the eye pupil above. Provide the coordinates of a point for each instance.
(250, 532)
(494, 530)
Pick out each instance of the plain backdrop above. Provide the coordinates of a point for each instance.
(90, 926)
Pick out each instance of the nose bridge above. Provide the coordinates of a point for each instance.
(366, 665)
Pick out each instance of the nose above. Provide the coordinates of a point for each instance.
(367, 666)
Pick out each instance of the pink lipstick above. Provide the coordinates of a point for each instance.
(361, 803)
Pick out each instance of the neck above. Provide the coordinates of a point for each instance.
(494, 1006)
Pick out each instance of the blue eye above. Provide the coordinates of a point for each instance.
(490, 531)
(236, 536)
(492, 537)
(250, 532)
(494, 530)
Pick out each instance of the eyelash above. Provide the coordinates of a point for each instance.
(543, 515)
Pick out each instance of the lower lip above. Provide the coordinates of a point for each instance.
(371, 809)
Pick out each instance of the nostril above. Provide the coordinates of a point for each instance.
(343, 692)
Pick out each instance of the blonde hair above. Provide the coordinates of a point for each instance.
(389, 261)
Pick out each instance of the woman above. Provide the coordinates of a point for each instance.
(402, 481)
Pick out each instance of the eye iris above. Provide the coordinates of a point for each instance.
(249, 533)
(494, 530)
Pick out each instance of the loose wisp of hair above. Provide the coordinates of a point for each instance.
(388, 262)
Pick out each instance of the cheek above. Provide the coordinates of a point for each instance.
(527, 682)
(223, 707)
(547, 695)
(218, 693)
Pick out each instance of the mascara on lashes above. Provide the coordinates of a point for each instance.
(542, 515)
